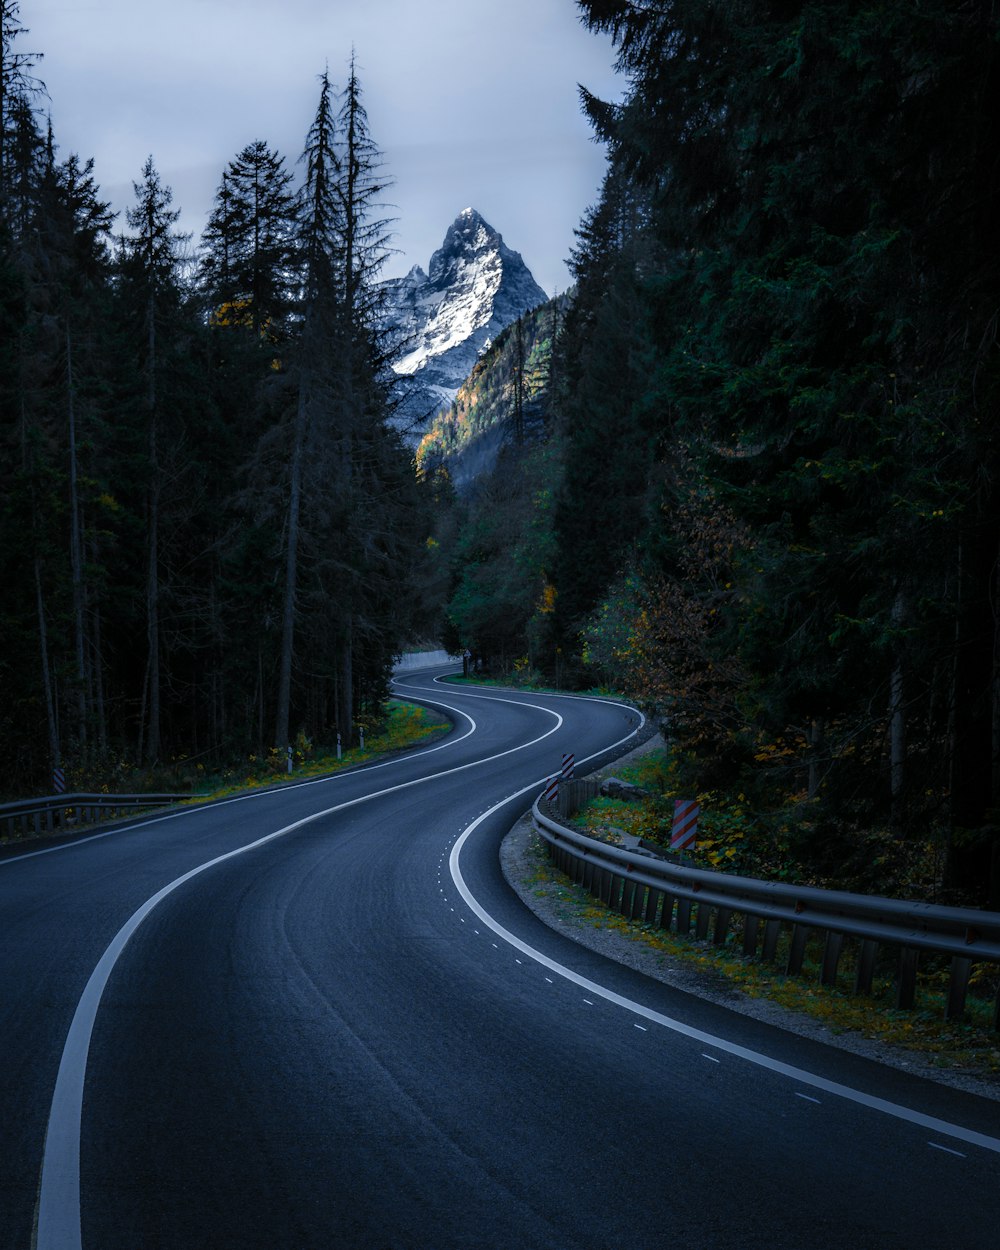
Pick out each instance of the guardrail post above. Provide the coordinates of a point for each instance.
(701, 923)
(751, 927)
(667, 914)
(906, 982)
(831, 957)
(684, 915)
(722, 919)
(638, 901)
(797, 950)
(864, 973)
(772, 932)
(957, 987)
(652, 903)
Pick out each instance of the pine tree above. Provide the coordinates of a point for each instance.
(150, 270)
(248, 249)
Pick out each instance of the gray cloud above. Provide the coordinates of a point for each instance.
(473, 102)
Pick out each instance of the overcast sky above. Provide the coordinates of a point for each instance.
(473, 103)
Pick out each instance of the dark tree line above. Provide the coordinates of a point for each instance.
(777, 512)
(208, 526)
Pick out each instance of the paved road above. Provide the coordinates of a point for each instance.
(353, 1035)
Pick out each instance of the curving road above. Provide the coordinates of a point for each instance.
(317, 1017)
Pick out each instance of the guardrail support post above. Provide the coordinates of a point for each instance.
(831, 957)
(906, 983)
(667, 914)
(751, 927)
(701, 924)
(627, 895)
(652, 903)
(772, 931)
(864, 973)
(684, 916)
(957, 987)
(797, 950)
(722, 919)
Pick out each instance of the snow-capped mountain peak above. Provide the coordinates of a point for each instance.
(474, 287)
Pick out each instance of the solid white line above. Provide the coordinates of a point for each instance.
(59, 1198)
(707, 1039)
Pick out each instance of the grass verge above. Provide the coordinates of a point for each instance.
(407, 725)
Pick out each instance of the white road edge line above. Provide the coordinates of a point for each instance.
(58, 1226)
(257, 794)
(800, 1075)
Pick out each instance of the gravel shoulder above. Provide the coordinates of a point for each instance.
(524, 862)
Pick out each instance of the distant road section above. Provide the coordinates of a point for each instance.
(424, 659)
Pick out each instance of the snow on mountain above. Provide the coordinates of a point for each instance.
(445, 318)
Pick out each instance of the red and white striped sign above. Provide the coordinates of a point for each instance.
(552, 789)
(685, 826)
(568, 764)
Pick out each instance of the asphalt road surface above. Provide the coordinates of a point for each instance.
(317, 1017)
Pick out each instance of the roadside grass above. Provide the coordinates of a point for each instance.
(968, 1046)
(407, 725)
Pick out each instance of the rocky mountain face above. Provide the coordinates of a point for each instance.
(444, 319)
(467, 437)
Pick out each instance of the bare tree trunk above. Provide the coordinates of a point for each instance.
(153, 555)
(291, 571)
(345, 711)
(43, 643)
(897, 722)
(817, 729)
(76, 559)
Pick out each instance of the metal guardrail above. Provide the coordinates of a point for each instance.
(63, 811)
(642, 885)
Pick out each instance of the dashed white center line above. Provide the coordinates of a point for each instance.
(550, 981)
(806, 1098)
(589, 1001)
(947, 1150)
(640, 1026)
(710, 1058)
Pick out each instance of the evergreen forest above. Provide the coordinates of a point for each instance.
(210, 532)
(763, 498)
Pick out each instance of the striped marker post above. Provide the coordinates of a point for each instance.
(685, 827)
(568, 765)
(552, 789)
(59, 780)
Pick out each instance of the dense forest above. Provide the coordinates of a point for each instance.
(209, 529)
(764, 498)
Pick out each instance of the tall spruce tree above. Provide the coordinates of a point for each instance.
(151, 275)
